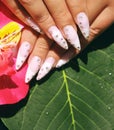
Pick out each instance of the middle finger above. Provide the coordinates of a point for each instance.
(41, 15)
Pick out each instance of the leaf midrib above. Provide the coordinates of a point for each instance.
(69, 99)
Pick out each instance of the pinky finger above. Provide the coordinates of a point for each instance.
(17, 9)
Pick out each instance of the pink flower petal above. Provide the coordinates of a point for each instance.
(13, 88)
(12, 83)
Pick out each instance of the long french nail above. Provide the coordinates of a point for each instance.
(33, 25)
(72, 36)
(57, 36)
(66, 58)
(46, 67)
(61, 62)
(33, 68)
(83, 23)
(23, 53)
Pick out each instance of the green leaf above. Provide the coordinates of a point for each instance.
(78, 97)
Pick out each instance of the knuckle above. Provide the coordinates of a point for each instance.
(60, 14)
(63, 16)
(17, 11)
(42, 47)
(41, 17)
(26, 1)
(44, 43)
(94, 32)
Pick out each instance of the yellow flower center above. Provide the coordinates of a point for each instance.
(10, 35)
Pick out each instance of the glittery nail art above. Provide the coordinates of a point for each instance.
(83, 23)
(72, 36)
(23, 53)
(46, 67)
(57, 36)
(32, 68)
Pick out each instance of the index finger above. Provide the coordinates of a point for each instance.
(18, 10)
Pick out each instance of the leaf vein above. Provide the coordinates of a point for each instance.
(48, 104)
(57, 115)
(69, 99)
(83, 114)
(91, 108)
(88, 90)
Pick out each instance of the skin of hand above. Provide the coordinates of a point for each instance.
(56, 21)
(52, 52)
(33, 48)
(100, 16)
(45, 55)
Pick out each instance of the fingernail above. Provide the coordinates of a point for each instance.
(57, 36)
(72, 36)
(32, 68)
(83, 23)
(61, 62)
(33, 25)
(66, 58)
(23, 53)
(46, 67)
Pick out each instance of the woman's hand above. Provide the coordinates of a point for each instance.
(101, 17)
(54, 18)
(33, 48)
(100, 20)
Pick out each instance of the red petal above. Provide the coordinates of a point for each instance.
(13, 88)
(6, 16)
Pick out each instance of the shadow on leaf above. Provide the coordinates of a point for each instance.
(103, 41)
(10, 110)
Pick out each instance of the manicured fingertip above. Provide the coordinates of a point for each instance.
(33, 68)
(22, 55)
(57, 36)
(83, 23)
(72, 36)
(45, 68)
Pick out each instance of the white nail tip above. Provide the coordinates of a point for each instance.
(46, 67)
(32, 68)
(57, 36)
(61, 62)
(23, 53)
(72, 36)
(83, 23)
